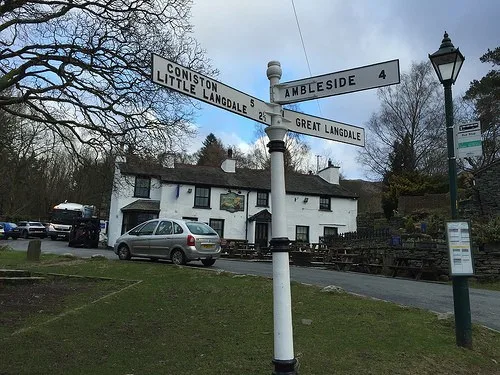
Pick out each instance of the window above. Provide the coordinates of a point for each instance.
(331, 232)
(177, 228)
(189, 218)
(142, 187)
(133, 219)
(218, 226)
(202, 197)
(302, 233)
(201, 228)
(165, 227)
(324, 203)
(147, 229)
(262, 199)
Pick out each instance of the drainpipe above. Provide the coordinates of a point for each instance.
(246, 220)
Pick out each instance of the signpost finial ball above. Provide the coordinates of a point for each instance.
(274, 69)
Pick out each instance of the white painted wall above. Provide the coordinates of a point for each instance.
(343, 214)
(122, 195)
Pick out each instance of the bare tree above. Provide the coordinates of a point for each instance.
(411, 113)
(81, 69)
(296, 156)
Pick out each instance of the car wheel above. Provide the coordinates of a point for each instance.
(53, 238)
(25, 234)
(14, 237)
(208, 262)
(178, 257)
(123, 252)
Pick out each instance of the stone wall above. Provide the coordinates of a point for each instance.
(486, 259)
(488, 193)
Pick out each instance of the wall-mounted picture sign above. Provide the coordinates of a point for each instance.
(232, 202)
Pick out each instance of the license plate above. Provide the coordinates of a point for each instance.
(207, 246)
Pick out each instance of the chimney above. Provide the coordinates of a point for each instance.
(167, 159)
(330, 174)
(229, 165)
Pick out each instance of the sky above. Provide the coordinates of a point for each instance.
(241, 36)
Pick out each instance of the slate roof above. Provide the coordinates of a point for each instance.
(143, 205)
(243, 179)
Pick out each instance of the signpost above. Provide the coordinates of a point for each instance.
(343, 82)
(323, 128)
(469, 140)
(188, 82)
(196, 85)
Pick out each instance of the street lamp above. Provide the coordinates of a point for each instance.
(447, 61)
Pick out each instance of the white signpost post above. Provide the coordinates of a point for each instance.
(469, 140)
(196, 85)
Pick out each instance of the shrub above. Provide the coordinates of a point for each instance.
(486, 231)
(410, 226)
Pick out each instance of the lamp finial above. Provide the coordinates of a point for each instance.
(446, 42)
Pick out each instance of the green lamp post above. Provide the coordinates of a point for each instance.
(447, 61)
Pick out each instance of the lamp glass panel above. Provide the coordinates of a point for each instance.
(446, 71)
(457, 68)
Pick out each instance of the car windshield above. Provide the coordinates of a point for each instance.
(200, 228)
(12, 225)
(65, 216)
(35, 224)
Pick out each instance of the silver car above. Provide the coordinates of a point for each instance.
(179, 240)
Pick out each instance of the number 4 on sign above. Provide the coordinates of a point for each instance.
(382, 74)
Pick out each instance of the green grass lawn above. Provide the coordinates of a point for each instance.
(187, 320)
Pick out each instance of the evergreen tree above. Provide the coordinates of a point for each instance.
(212, 152)
(485, 95)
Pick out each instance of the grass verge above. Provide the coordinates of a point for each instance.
(184, 320)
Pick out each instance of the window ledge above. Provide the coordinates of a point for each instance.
(325, 210)
(203, 207)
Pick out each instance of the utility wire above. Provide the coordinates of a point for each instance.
(304, 48)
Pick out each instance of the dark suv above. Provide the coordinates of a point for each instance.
(32, 229)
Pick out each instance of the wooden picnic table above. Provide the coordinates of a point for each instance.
(345, 261)
(414, 266)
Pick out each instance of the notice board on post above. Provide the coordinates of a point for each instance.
(460, 248)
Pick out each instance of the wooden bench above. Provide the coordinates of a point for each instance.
(415, 272)
(245, 252)
(343, 265)
(229, 245)
(373, 268)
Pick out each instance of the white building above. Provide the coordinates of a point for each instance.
(235, 202)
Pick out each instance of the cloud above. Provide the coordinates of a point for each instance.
(242, 37)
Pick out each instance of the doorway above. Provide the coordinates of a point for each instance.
(261, 235)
